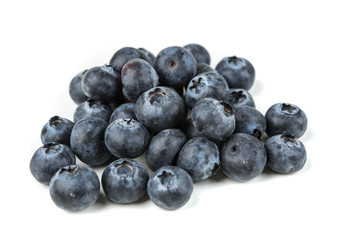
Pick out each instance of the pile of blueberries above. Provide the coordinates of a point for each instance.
(189, 119)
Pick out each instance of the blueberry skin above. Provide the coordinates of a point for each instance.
(74, 187)
(149, 55)
(170, 187)
(199, 157)
(75, 90)
(122, 56)
(160, 108)
(176, 66)
(87, 141)
(286, 154)
(48, 159)
(199, 52)
(126, 138)
(213, 118)
(243, 157)
(189, 129)
(239, 97)
(92, 108)
(206, 85)
(164, 147)
(203, 67)
(238, 72)
(124, 181)
(125, 110)
(250, 121)
(57, 129)
(285, 117)
(137, 76)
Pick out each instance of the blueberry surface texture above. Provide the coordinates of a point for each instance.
(285, 153)
(199, 157)
(243, 157)
(240, 97)
(122, 56)
(150, 56)
(176, 66)
(92, 108)
(74, 187)
(250, 121)
(206, 85)
(124, 181)
(87, 141)
(137, 76)
(75, 89)
(164, 147)
(199, 52)
(213, 118)
(238, 72)
(57, 129)
(125, 110)
(160, 108)
(285, 117)
(126, 138)
(170, 187)
(48, 159)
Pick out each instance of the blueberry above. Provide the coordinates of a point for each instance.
(189, 129)
(87, 141)
(199, 52)
(213, 118)
(176, 66)
(122, 56)
(124, 181)
(285, 117)
(126, 138)
(206, 85)
(125, 110)
(75, 90)
(48, 159)
(149, 55)
(102, 84)
(137, 76)
(250, 121)
(163, 148)
(160, 108)
(238, 72)
(240, 97)
(243, 157)
(203, 67)
(74, 187)
(170, 187)
(286, 154)
(92, 108)
(57, 129)
(200, 157)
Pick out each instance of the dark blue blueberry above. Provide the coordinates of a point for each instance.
(102, 84)
(213, 118)
(126, 138)
(176, 66)
(137, 76)
(74, 188)
(203, 67)
(149, 55)
(285, 153)
(240, 97)
(122, 56)
(57, 129)
(48, 159)
(285, 117)
(170, 187)
(160, 108)
(92, 108)
(87, 141)
(199, 52)
(206, 85)
(238, 72)
(200, 157)
(75, 89)
(125, 110)
(124, 181)
(189, 129)
(243, 157)
(163, 148)
(250, 121)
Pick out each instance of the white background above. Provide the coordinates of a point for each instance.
(304, 52)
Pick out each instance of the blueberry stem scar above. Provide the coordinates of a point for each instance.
(125, 165)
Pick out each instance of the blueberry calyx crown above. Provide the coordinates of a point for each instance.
(196, 84)
(55, 120)
(127, 120)
(234, 148)
(124, 164)
(51, 146)
(288, 108)
(92, 103)
(68, 169)
(233, 59)
(156, 95)
(228, 109)
(237, 96)
(288, 138)
(172, 64)
(257, 134)
(165, 177)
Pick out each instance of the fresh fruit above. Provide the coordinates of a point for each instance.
(57, 129)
